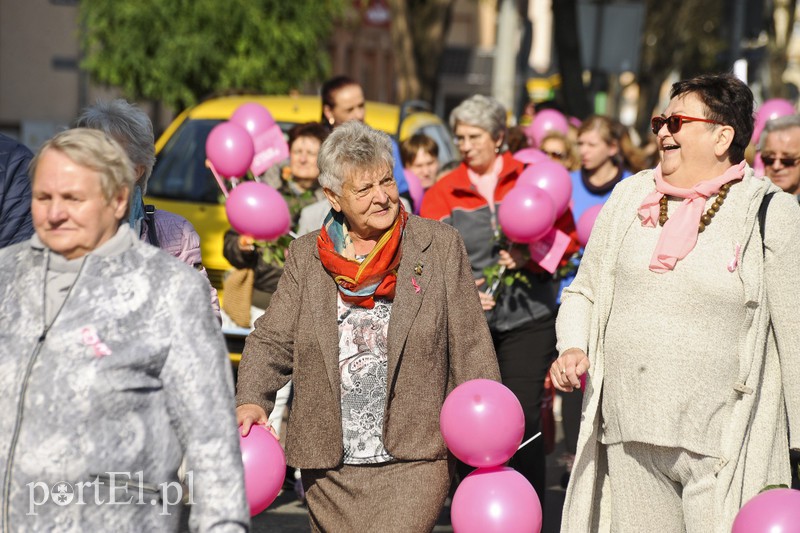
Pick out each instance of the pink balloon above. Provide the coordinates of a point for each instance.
(586, 223)
(264, 468)
(772, 108)
(414, 189)
(482, 422)
(530, 156)
(552, 178)
(253, 117)
(230, 149)
(496, 500)
(258, 210)
(545, 121)
(772, 511)
(526, 214)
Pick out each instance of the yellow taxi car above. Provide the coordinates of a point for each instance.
(181, 183)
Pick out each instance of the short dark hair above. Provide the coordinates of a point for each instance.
(309, 129)
(728, 101)
(333, 85)
(411, 147)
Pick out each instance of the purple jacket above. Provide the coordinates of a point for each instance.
(177, 236)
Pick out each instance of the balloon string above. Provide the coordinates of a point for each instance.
(217, 177)
(529, 441)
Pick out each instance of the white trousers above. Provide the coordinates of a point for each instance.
(655, 488)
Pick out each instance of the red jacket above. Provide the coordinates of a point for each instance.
(455, 201)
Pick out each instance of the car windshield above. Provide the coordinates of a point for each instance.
(180, 172)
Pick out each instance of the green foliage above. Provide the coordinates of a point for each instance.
(274, 252)
(495, 273)
(181, 51)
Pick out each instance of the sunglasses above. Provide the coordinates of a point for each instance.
(558, 156)
(769, 160)
(675, 122)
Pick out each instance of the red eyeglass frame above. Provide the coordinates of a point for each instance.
(656, 123)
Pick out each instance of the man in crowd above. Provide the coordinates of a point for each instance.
(780, 151)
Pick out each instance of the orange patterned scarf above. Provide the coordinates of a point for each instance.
(376, 276)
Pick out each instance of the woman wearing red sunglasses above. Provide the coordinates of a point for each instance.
(684, 317)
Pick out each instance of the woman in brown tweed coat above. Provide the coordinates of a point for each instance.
(376, 318)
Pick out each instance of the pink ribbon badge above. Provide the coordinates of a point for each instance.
(735, 261)
(90, 338)
(417, 288)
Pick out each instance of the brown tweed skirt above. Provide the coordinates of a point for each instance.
(401, 496)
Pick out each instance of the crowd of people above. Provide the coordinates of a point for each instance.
(674, 347)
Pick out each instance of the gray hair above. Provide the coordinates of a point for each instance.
(353, 146)
(129, 126)
(777, 124)
(485, 112)
(97, 151)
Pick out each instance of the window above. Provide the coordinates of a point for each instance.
(180, 172)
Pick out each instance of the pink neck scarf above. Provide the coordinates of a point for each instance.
(679, 234)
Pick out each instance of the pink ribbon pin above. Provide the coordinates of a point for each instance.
(735, 261)
(90, 338)
(415, 284)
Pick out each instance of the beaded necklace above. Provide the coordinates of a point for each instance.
(705, 220)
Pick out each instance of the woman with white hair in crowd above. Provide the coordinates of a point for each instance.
(521, 316)
(112, 364)
(375, 320)
(131, 128)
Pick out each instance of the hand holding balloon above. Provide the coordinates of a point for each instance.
(264, 467)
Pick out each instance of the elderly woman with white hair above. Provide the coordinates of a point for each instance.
(112, 365)
(132, 129)
(521, 316)
(375, 319)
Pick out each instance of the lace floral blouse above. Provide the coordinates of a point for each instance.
(363, 354)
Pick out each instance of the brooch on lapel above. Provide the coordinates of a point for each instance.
(418, 269)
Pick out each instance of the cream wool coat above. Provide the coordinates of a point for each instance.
(766, 396)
